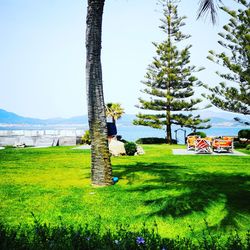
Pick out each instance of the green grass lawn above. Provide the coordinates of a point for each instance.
(173, 191)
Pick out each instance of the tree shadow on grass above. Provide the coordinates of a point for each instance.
(203, 189)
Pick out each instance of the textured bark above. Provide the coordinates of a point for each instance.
(168, 116)
(100, 158)
(168, 128)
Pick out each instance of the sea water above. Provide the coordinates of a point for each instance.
(132, 133)
(128, 132)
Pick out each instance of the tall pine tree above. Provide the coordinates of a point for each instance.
(170, 81)
(236, 42)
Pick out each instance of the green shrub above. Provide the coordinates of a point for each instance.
(244, 133)
(43, 236)
(239, 145)
(8, 146)
(130, 148)
(248, 147)
(86, 138)
(200, 133)
(153, 140)
(173, 141)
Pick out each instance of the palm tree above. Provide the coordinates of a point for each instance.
(114, 110)
(100, 158)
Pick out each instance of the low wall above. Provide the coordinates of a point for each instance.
(57, 137)
(41, 132)
(38, 140)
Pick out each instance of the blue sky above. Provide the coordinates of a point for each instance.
(42, 52)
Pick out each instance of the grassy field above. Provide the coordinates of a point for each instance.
(175, 192)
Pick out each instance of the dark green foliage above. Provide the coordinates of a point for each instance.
(153, 140)
(130, 148)
(173, 141)
(8, 147)
(244, 133)
(200, 133)
(248, 147)
(169, 80)
(43, 236)
(233, 95)
(86, 138)
(239, 145)
(119, 138)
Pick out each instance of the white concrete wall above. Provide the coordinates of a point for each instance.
(55, 132)
(45, 140)
(64, 137)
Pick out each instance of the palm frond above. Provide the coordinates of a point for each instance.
(208, 7)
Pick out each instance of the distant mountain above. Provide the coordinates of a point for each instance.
(77, 119)
(12, 118)
(218, 119)
(73, 120)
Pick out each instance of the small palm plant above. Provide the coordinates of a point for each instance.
(114, 110)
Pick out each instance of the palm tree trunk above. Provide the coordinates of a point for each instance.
(100, 158)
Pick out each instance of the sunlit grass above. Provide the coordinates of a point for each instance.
(175, 192)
